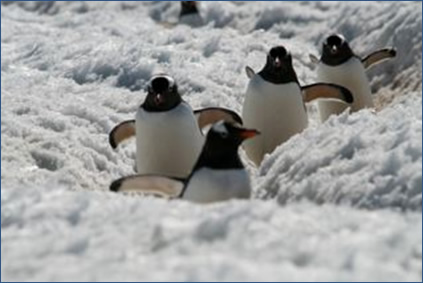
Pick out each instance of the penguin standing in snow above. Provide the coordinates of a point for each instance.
(190, 15)
(167, 130)
(218, 174)
(274, 103)
(340, 65)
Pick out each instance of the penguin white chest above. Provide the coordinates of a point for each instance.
(210, 185)
(168, 143)
(351, 75)
(276, 110)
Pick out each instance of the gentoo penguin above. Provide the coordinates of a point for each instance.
(190, 15)
(167, 129)
(274, 103)
(217, 175)
(340, 65)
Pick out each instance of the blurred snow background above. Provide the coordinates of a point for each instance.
(341, 201)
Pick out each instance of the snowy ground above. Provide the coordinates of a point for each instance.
(341, 201)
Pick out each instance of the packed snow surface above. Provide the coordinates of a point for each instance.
(340, 201)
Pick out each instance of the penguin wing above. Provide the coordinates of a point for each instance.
(213, 115)
(250, 72)
(149, 184)
(378, 56)
(121, 132)
(326, 90)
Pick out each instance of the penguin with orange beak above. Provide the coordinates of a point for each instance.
(168, 132)
(340, 65)
(218, 174)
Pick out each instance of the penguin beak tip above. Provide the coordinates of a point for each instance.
(248, 134)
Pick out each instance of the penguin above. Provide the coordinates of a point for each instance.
(166, 128)
(218, 174)
(274, 103)
(339, 64)
(190, 15)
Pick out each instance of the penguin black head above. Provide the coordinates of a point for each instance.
(278, 68)
(336, 50)
(162, 94)
(220, 150)
(188, 8)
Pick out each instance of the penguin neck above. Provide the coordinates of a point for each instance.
(229, 159)
(278, 76)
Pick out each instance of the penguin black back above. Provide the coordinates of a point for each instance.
(336, 50)
(278, 68)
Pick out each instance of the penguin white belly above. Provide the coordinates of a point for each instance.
(351, 75)
(276, 110)
(210, 185)
(168, 143)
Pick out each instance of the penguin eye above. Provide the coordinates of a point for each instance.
(224, 134)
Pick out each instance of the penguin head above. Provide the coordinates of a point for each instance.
(279, 58)
(162, 94)
(336, 50)
(188, 7)
(227, 133)
(278, 68)
(220, 150)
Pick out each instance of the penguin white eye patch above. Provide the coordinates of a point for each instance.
(170, 80)
(220, 128)
(335, 39)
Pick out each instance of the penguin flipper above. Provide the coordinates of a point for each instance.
(250, 72)
(213, 115)
(326, 90)
(166, 187)
(378, 56)
(121, 132)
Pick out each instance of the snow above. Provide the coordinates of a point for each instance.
(341, 201)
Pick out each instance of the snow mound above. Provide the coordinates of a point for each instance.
(55, 235)
(367, 160)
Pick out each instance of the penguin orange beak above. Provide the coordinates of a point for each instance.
(248, 134)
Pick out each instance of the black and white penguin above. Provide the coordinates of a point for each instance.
(167, 129)
(218, 174)
(190, 15)
(340, 65)
(274, 103)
